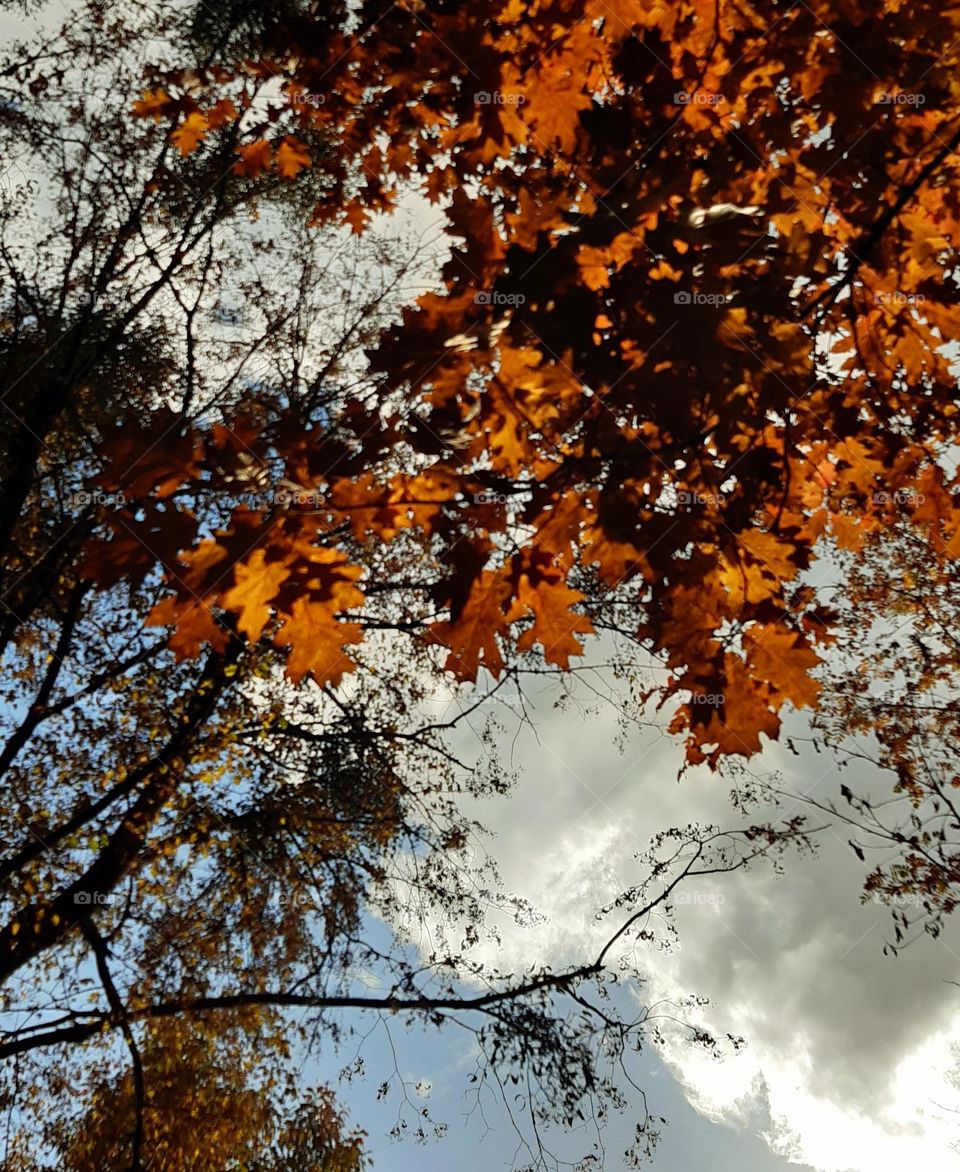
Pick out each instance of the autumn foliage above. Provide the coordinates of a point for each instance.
(692, 328)
(270, 481)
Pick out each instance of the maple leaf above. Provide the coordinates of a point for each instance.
(153, 456)
(190, 133)
(292, 157)
(547, 393)
(110, 562)
(221, 113)
(558, 526)
(256, 584)
(777, 555)
(688, 631)
(732, 722)
(557, 95)
(848, 532)
(782, 658)
(356, 216)
(506, 429)
(438, 182)
(203, 565)
(194, 625)
(772, 562)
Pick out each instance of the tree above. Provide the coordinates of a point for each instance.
(891, 702)
(694, 330)
(195, 846)
(700, 299)
(205, 1114)
(694, 338)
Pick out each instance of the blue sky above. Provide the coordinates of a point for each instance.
(689, 1141)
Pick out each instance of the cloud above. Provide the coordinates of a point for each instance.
(849, 1053)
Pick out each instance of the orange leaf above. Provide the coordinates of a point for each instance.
(733, 711)
(556, 625)
(221, 113)
(775, 555)
(782, 658)
(154, 104)
(190, 133)
(292, 157)
(193, 623)
(256, 584)
(254, 158)
(356, 216)
(472, 638)
(316, 639)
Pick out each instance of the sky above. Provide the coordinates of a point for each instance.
(849, 1053)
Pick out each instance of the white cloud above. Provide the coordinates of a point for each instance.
(849, 1052)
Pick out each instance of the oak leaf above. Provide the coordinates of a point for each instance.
(555, 625)
(190, 133)
(256, 584)
(194, 625)
(292, 157)
(472, 638)
(782, 658)
(154, 104)
(255, 158)
(316, 639)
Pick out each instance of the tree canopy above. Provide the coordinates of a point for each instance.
(694, 318)
(269, 479)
